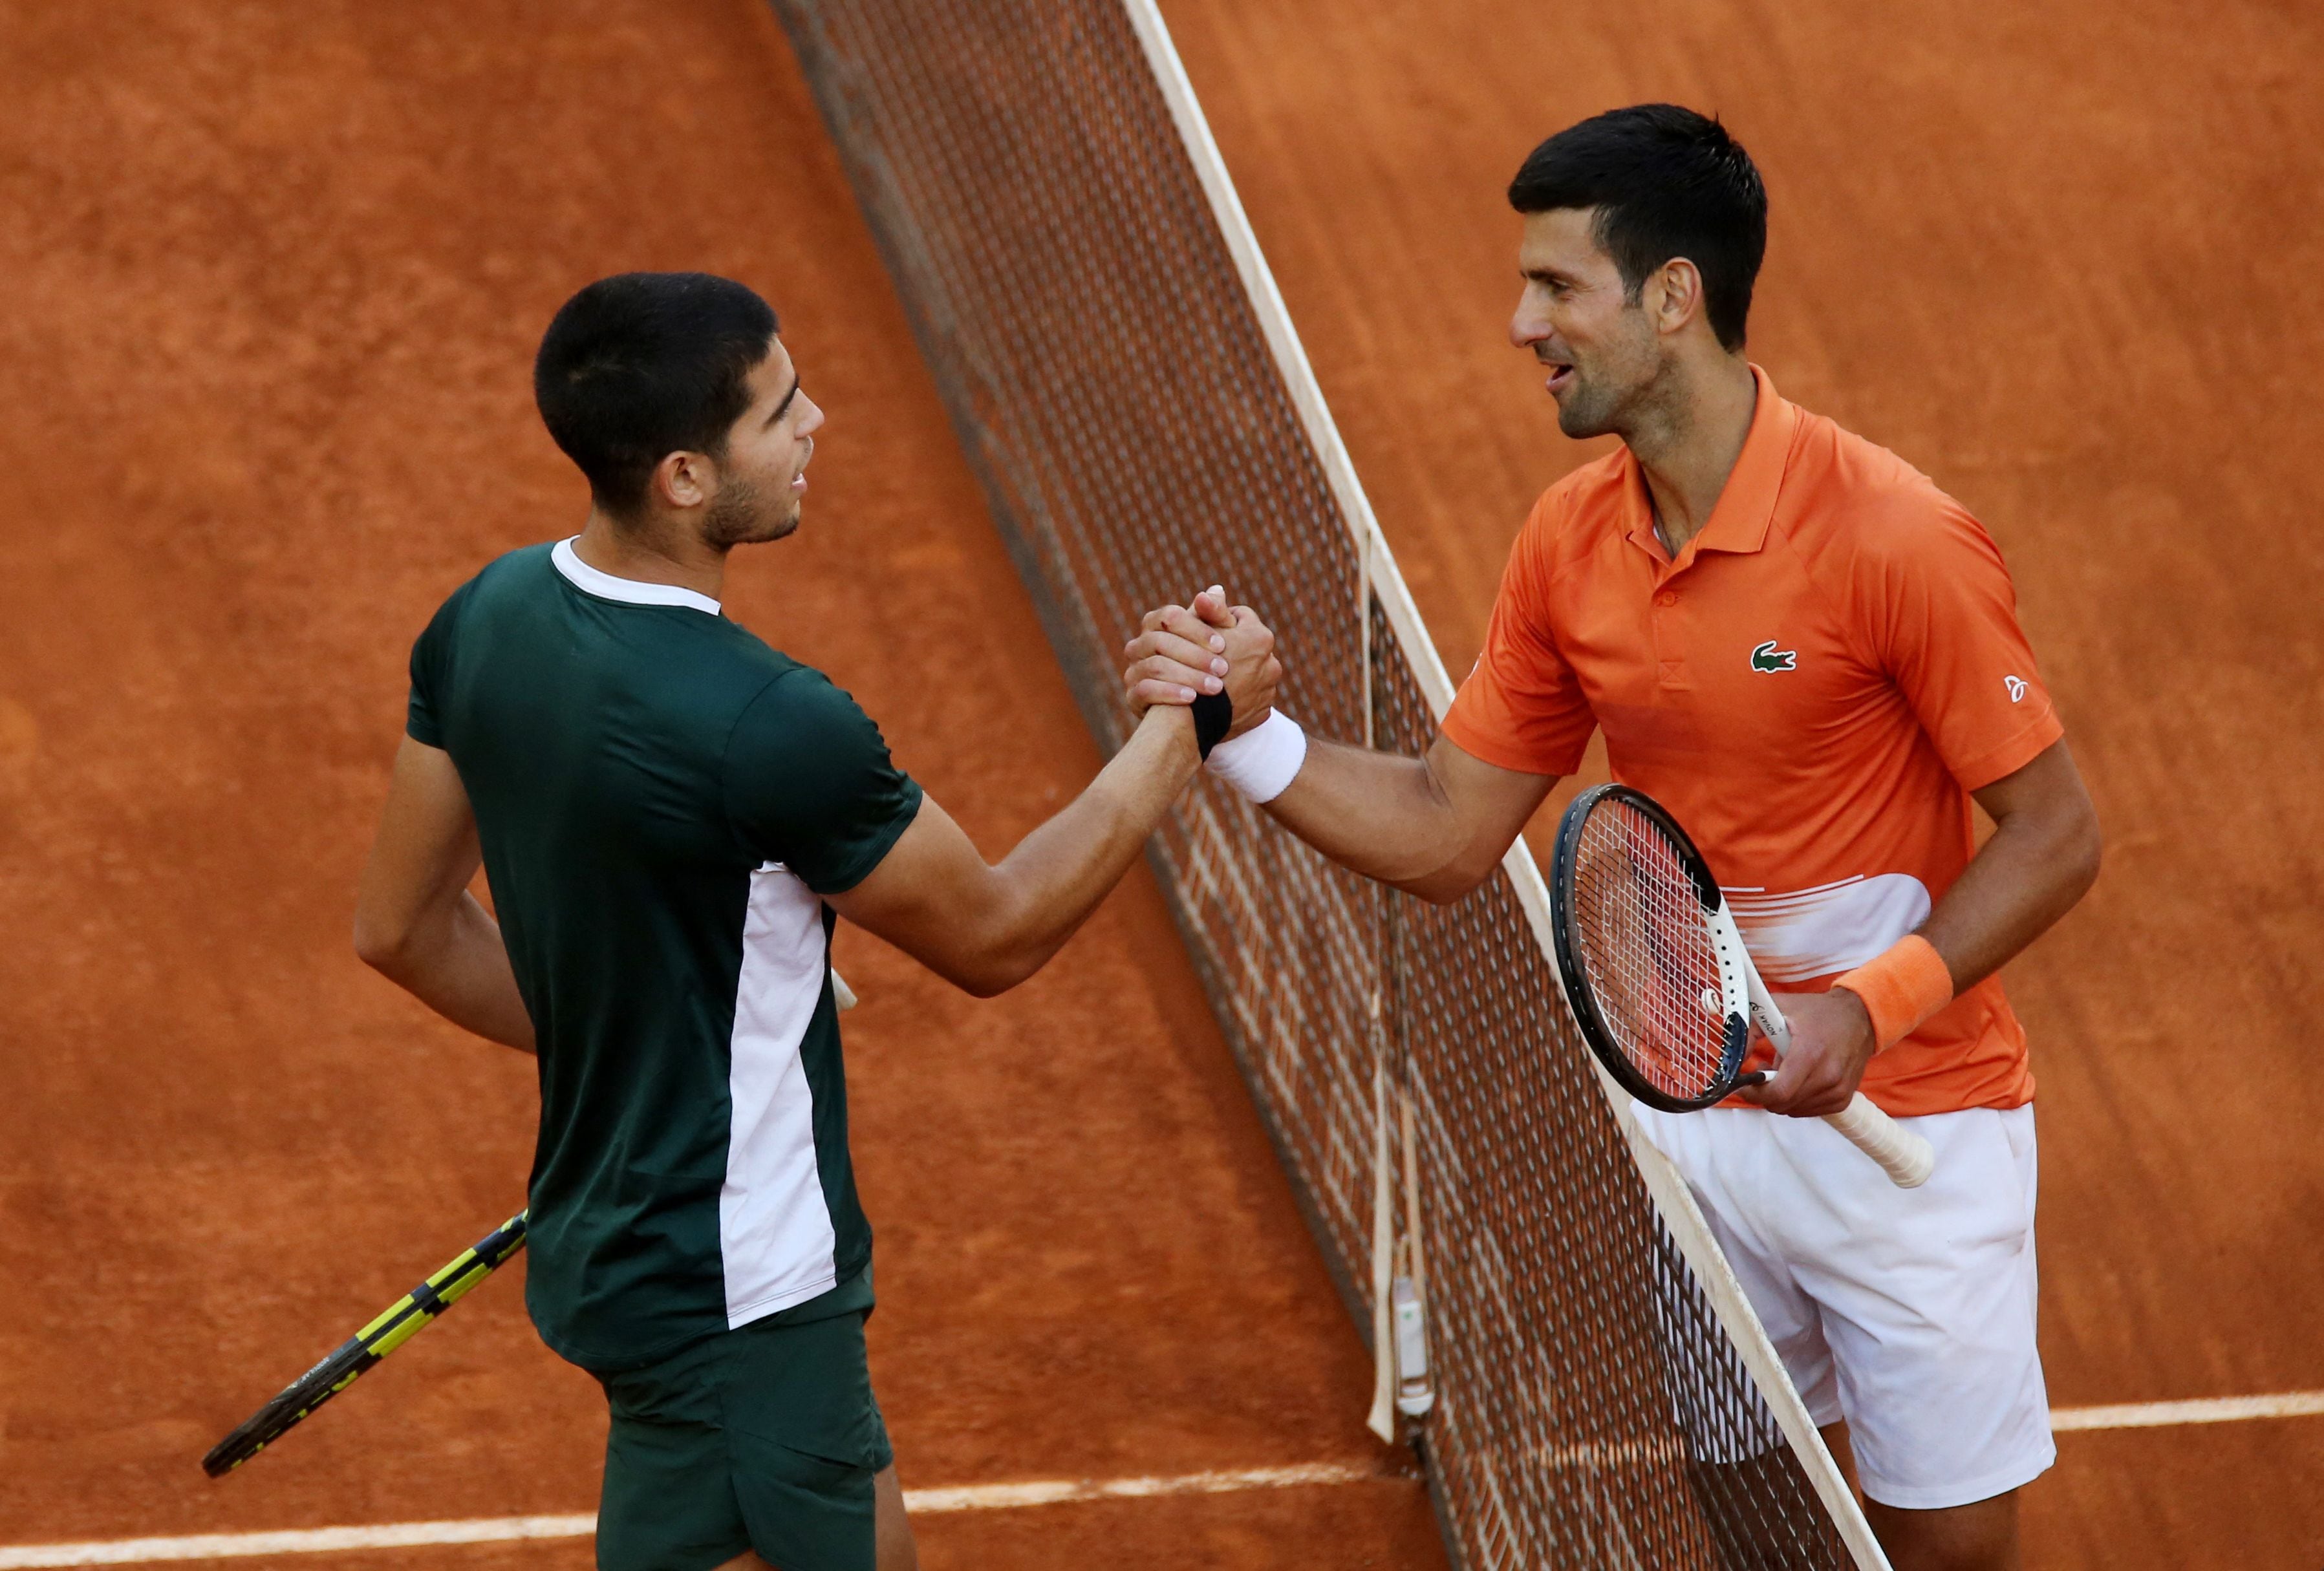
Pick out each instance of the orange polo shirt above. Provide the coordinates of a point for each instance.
(1813, 688)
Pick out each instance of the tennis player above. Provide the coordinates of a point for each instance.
(669, 812)
(1811, 655)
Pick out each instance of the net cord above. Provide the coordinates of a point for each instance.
(1385, 582)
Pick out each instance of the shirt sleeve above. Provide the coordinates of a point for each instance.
(1944, 619)
(1522, 707)
(808, 783)
(431, 671)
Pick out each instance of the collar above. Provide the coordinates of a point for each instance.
(1746, 503)
(628, 591)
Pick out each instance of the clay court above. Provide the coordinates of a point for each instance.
(274, 279)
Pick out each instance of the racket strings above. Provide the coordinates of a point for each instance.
(1644, 945)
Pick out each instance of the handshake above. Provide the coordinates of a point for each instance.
(1182, 653)
(1210, 649)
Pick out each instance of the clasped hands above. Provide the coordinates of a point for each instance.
(1205, 647)
(1211, 647)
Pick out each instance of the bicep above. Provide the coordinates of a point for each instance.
(1943, 613)
(807, 781)
(1489, 805)
(426, 850)
(2047, 789)
(925, 892)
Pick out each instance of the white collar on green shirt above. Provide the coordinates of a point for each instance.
(629, 591)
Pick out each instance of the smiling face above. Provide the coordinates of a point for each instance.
(762, 475)
(1598, 341)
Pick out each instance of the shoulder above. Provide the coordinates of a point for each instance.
(1575, 515)
(1584, 500)
(523, 570)
(799, 712)
(1852, 504)
(515, 572)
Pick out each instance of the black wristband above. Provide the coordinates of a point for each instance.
(1213, 718)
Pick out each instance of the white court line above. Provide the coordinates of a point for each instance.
(2215, 1409)
(2289, 1404)
(502, 1530)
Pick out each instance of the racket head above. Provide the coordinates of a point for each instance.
(347, 1362)
(1655, 982)
(302, 1396)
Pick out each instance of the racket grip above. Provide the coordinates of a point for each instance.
(1905, 1157)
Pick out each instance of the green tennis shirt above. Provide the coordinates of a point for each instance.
(663, 801)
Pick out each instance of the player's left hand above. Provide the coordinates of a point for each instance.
(1831, 1042)
(1182, 651)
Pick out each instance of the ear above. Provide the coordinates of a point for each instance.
(684, 480)
(1674, 295)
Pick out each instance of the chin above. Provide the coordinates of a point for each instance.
(1581, 423)
(1587, 411)
(725, 533)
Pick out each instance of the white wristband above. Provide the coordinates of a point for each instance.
(1261, 762)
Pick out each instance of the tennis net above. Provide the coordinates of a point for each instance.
(1124, 381)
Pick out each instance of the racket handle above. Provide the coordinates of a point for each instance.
(1905, 1157)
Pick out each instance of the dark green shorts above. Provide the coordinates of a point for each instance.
(761, 1439)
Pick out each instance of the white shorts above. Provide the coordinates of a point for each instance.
(1909, 1312)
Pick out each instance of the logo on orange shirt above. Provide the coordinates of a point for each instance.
(2016, 685)
(1768, 657)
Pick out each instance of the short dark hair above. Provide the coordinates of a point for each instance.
(1666, 182)
(643, 364)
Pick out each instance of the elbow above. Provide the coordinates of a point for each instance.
(1450, 884)
(2086, 852)
(991, 981)
(384, 947)
(989, 975)
(985, 982)
(1441, 891)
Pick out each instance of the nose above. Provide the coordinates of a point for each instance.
(1528, 324)
(810, 418)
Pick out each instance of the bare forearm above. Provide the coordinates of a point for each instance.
(1394, 819)
(1048, 887)
(456, 963)
(2021, 881)
(1436, 827)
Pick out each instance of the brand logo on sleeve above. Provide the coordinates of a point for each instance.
(1768, 657)
(2016, 685)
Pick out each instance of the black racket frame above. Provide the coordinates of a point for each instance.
(355, 1356)
(1575, 977)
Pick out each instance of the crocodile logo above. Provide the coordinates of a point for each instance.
(1768, 657)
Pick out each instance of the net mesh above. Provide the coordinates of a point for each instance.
(1641, 940)
(1110, 383)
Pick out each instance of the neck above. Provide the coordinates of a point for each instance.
(651, 553)
(1687, 442)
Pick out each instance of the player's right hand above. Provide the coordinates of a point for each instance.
(1207, 646)
(1831, 1042)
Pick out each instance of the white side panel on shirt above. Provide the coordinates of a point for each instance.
(774, 1229)
(1830, 928)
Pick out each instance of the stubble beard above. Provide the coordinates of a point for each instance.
(1588, 409)
(739, 516)
(1604, 401)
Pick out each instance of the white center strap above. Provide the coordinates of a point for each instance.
(1261, 762)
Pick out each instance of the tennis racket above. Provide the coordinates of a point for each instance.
(366, 1348)
(1662, 987)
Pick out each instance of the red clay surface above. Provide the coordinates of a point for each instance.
(2049, 254)
(273, 281)
(273, 284)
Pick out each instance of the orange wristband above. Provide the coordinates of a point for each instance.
(1900, 987)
